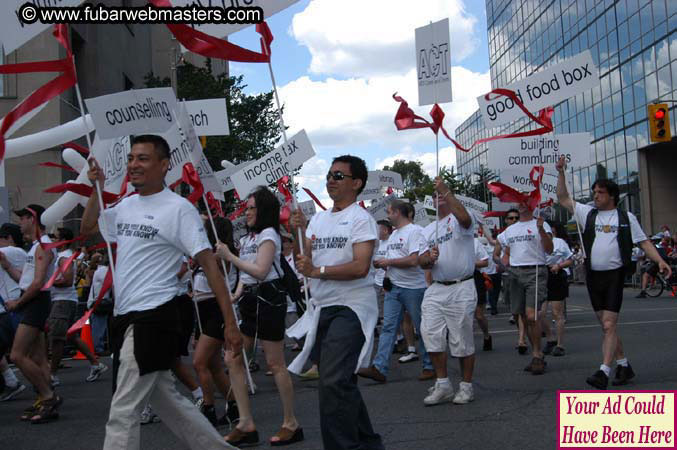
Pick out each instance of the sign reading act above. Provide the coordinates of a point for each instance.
(433, 63)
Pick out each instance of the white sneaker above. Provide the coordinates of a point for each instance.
(148, 416)
(54, 381)
(409, 357)
(199, 402)
(11, 392)
(96, 371)
(439, 393)
(464, 395)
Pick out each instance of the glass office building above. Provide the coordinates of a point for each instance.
(634, 45)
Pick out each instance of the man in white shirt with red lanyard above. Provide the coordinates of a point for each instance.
(405, 293)
(527, 242)
(153, 230)
(449, 303)
(338, 248)
(608, 235)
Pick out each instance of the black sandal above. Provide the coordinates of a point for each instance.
(30, 411)
(48, 411)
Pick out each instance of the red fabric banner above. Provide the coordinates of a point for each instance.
(61, 269)
(214, 205)
(45, 93)
(315, 199)
(507, 194)
(190, 177)
(57, 166)
(77, 147)
(105, 287)
(81, 189)
(240, 209)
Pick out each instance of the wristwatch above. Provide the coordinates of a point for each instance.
(322, 271)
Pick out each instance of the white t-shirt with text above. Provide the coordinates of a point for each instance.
(153, 233)
(97, 283)
(68, 292)
(457, 248)
(9, 289)
(524, 242)
(380, 253)
(28, 273)
(402, 243)
(249, 247)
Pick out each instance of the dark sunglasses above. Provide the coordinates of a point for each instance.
(511, 218)
(338, 175)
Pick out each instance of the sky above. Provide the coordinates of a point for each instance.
(338, 63)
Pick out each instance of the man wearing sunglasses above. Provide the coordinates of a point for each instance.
(338, 248)
(608, 236)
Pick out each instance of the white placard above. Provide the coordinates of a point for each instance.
(420, 214)
(224, 175)
(139, 111)
(13, 32)
(269, 7)
(384, 178)
(378, 209)
(429, 202)
(542, 89)
(308, 208)
(492, 222)
(209, 117)
(543, 150)
(472, 205)
(111, 154)
(370, 193)
(280, 162)
(433, 63)
(497, 205)
(519, 179)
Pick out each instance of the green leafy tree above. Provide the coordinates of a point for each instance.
(417, 184)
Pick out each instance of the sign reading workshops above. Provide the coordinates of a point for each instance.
(542, 89)
(543, 150)
(433, 63)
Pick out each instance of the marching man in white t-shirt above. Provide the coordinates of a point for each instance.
(527, 242)
(449, 303)
(153, 230)
(608, 235)
(338, 248)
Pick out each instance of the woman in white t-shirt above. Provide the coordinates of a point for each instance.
(208, 364)
(263, 307)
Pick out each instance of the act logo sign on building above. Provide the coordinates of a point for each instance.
(433, 63)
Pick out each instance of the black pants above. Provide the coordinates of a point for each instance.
(496, 279)
(344, 419)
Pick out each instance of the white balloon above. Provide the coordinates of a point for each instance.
(74, 159)
(42, 140)
(68, 200)
(227, 164)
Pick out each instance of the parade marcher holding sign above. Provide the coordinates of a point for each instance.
(263, 307)
(339, 244)
(448, 308)
(153, 230)
(527, 242)
(29, 351)
(608, 235)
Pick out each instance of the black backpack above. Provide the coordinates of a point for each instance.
(291, 284)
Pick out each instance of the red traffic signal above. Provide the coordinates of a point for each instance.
(659, 122)
(659, 114)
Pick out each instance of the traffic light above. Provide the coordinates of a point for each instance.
(659, 122)
(203, 141)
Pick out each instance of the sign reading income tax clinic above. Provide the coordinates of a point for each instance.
(543, 150)
(542, 89)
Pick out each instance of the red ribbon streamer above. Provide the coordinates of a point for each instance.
(189, 176)
(105, 287)
(494, 213)
(62, 269)
(315, 199)
(508, 194)
(58, 244)
(406, 119)
(48, 91)
(236, 213)
(214, 205)
(81, 189)
(57, 166)
(212, 47)
(78, 148)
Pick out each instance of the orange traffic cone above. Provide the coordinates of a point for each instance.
(86, 336)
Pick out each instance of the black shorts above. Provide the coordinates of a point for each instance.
(7, 331)
(558, 286)
(211, 318)
(263, 308)
(187, 325)
(605, 288)
(36, 311)
(480, 287)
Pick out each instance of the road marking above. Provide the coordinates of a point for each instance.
(596, 325)
(579, 310)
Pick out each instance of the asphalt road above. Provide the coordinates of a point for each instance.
(512, 409)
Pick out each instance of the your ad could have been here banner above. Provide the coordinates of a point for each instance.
(545, 88)
(282, 161)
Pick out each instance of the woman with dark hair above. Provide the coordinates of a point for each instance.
(263, 307)
(207, 361)
(558, 290)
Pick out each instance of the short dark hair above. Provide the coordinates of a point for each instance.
(358, 168)
(610, 186)
(411, 211)
(224, 231)
(515, 210)
(387, 224)
(159, 143)
(65, 234)
(560, 231)
(401, 206)
(267, 210)
(14, 231)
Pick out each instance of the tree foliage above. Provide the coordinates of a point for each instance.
(417, 184)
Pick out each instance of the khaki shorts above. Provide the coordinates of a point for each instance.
(523, 288)
(60, 319)
(447, 315)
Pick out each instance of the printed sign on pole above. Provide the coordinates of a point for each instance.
(433, 63)
(224, 175)
(420, 215)
(308, 208)
(282, 161)
(542, 89)
(429, 202)
(378, 209)
(497, 205)
(543, 150)
(13, 31)
(472, 205)
(138, 111)
(209, 117)
(519, 179)
(111, 154)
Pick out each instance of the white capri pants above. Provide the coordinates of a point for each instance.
(447, 315)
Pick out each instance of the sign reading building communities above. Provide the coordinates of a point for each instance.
(542, 89)
(280, 162)
(139, 111)
(543, 150)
